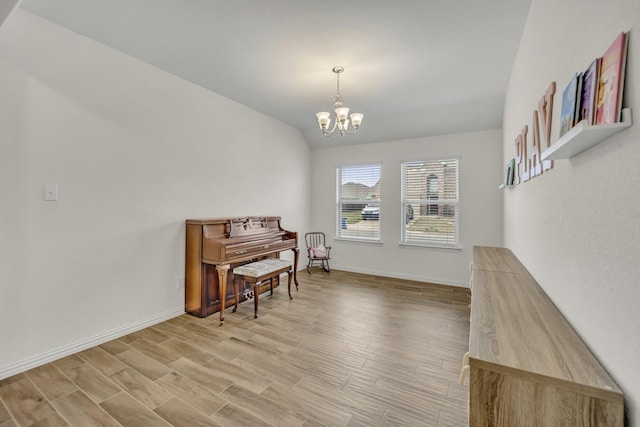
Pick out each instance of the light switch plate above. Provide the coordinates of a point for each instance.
(50, 192)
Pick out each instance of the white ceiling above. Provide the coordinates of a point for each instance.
(413, 67)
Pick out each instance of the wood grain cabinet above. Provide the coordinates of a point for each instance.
(528, 367)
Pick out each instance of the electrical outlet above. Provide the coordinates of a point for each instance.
(180, 282)
(51, 192)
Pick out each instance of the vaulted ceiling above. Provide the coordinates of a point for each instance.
(413, 67)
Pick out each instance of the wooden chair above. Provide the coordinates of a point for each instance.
(315, 240)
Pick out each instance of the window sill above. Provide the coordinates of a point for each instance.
(354, 240)
(420, 245)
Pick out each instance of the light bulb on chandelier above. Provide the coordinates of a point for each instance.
(341, 114)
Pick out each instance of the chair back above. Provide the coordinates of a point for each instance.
(314, 239)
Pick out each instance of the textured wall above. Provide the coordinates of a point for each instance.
(576, 227)
(134, 151)
(481, 172)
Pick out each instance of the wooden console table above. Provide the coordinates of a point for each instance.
(528, 367)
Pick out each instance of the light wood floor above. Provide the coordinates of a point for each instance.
(348, 350)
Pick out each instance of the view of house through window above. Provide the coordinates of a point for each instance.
(430, 202)
(358, 202)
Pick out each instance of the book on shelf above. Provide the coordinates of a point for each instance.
(568, 112)
(611, 82)
(576, 114)
(590, 79)
(509, 173)
(512, 171)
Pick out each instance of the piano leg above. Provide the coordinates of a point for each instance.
(236, 297)
(296, 251)
(256, 292)
(222, 288)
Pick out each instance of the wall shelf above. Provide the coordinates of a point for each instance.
(583, 136)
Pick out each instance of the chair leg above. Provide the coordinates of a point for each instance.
(309, 267)
(325, 266)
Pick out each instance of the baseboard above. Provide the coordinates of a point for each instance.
(396, 275)
(67, 350)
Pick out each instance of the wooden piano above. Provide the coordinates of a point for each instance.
(215, 246)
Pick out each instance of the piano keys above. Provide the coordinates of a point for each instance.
(217, 245)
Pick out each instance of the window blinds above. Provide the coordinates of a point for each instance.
(430, 203)
(358, 202)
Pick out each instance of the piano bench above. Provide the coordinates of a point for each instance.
(258, 272)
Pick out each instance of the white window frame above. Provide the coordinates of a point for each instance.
(369, 233)
(422, 205)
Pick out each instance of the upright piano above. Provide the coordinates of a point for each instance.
(217, 245)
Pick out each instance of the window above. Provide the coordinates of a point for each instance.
(430, 203)
(358, 202)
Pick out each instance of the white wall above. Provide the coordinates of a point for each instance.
(480, 204)
(577, 228)
(135, 151)
(6, 7)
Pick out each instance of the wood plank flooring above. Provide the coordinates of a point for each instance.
(348, 350)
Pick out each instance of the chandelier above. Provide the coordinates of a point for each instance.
(341, 121)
